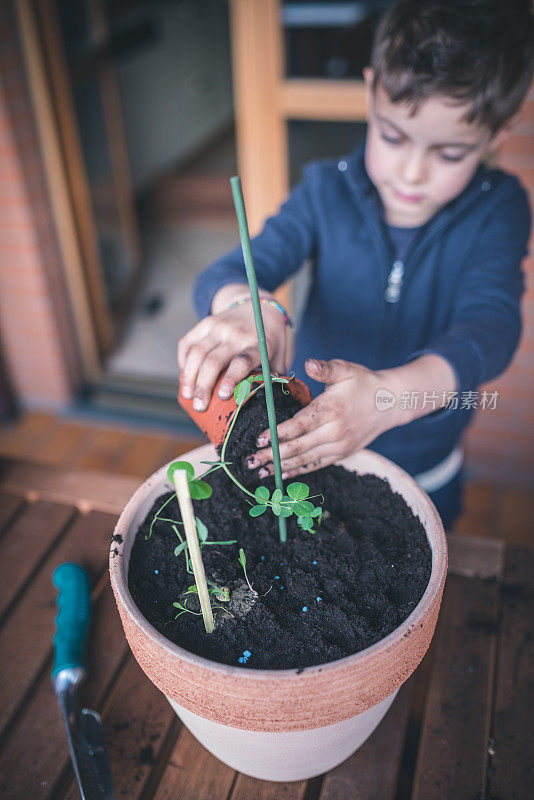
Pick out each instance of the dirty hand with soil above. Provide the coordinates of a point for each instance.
(340, 421)
(345, 417)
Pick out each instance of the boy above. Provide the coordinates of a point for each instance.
(416, 249)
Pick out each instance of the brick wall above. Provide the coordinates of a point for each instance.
(35, 328)
(500, 444)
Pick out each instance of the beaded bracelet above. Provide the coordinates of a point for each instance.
(268, 301)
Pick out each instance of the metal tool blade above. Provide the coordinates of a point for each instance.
(86, 739)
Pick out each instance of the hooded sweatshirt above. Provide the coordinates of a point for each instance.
(455, 292)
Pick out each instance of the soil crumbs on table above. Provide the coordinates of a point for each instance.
(318, 597)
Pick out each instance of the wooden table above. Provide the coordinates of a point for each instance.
(461, 727)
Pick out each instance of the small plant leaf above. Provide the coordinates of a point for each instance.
(223, 594)
(298, 491)
(277, 496)
(285, 511)
(193, 588)
(277, 509)
(317, 511)
(201, 530)
(229, 541)
(306, 523)
(255, 511)
(262, 494)
(200, 490)
(180, 548)
(257, 379)
(303, 508)
(242, 557)
(189, 468)
(242, 391)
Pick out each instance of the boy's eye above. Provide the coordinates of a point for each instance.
(451, 158)
(391, 139)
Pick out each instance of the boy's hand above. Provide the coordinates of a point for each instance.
(228, 340)
(343, 419)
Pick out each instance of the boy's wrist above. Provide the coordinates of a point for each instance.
(232, 293)
(418, 387)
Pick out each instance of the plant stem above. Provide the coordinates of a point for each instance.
(260, 331)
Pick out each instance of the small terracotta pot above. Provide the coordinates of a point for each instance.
(215, 420)
(287, 724)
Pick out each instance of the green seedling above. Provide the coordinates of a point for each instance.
(203, 541)
(221, 593)
(185, 610)
(296, 501)
(243, 561)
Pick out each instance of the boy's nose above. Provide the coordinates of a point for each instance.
(414, 168)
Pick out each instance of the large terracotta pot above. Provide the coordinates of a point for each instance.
(287, 724)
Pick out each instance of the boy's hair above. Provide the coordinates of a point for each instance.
(481, 52)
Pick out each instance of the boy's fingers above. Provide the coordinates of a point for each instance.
(207, 375)
(195, 356)
(304, 421)
(321, 455)
(303, 446)
(310, 418)
(328, 371)
(240, 366)
(196, 334)
(317, 463)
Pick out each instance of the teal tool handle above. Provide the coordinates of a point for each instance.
(72, 621)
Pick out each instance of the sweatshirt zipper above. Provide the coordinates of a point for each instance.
(395, 280)
(396, 277)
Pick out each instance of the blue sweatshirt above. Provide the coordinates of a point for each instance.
(456, 291)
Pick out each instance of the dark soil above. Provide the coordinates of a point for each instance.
(320, 596)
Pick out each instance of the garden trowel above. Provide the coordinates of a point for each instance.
(84, 727)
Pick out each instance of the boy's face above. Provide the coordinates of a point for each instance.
(419, 163)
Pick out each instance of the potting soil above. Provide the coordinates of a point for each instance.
(318, 597)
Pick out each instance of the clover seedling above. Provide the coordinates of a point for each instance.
(296, 501)
(243, 561)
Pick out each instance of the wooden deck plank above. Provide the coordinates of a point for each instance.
(478, 517)
(372, 772)
(137, 720)
(511, 774)
(475, 556)
(26, 637)
(63, 450)
(194, 774)
(144, 453)
(36, 772)
(454, 740)
(104, 450)
(9, 505)
(515, 517)
(84, 489)
(150, 452)
(25, 543)
(23, 437)
(247, 788)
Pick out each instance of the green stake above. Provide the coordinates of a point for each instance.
(260, 331)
